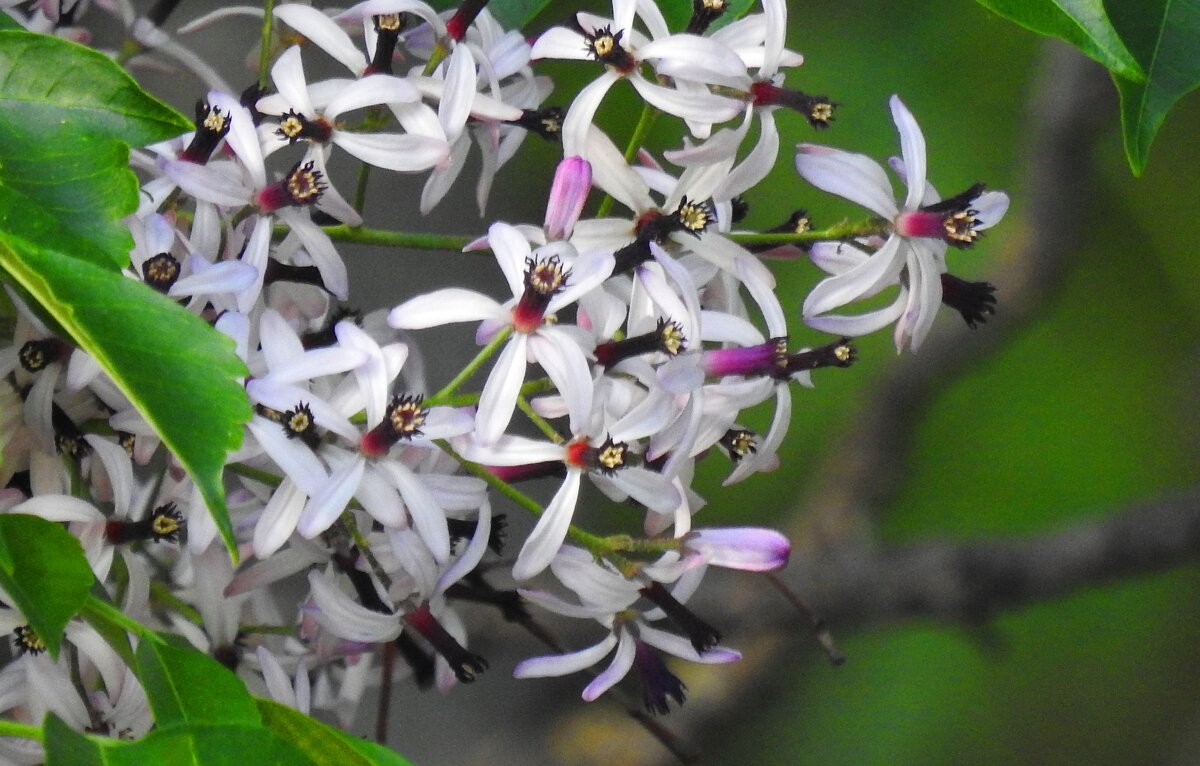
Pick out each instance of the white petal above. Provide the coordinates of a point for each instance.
(445, 306)
(428, 519)
(278, 519)
(560, 43)
(912, 147)
(288, 75)
(338, 614)
(328, 503)
(369, 91)
(404, 153)
(697, 106)
(324, 33)
(613, 175)
(59, 508)
(841, 289)
(459, 92)
(119, 468)
(551, 529)
(322, 251)
(568, 368)
(293, 457)
(991, 207)
(579, 117)
(510, 450)
(207, 183)
(855, 177)
(511, 249)
(499, 396)
(861, 324)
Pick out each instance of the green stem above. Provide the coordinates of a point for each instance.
(842, 231)
(524, 406)
(470, 369)
(257, 474)
(528, 389)
(360, 189)
(264, 51)
(22, 730)
(101, 611)
(360, 542)
(649, 114)
(382, 238)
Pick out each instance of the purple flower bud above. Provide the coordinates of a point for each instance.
(572, 182)
(750, 548)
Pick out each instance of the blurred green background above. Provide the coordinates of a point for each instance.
(1090, 407)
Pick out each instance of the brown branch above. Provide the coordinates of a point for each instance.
(972, 580)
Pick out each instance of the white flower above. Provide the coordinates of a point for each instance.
(913, 255)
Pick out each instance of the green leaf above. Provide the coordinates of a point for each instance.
(179, 372)
(44, 571)
(1164, 35)
(8, 22)
(1082, 23)
(515, 14)
(325, 745)
(189, 745)
(679, 12)
(65, 746)
(66, 115)
(185, 686)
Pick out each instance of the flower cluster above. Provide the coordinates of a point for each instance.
(633, 344)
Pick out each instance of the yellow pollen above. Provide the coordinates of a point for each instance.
(960, 226)
(822, 112)
(693, 217)
(30, 641)
(714, 5)
(672, 339)
(843, 353)
(291, 127)
(215, 121)
(602, 46)
(547, 277)
(389, 22)
(802, 225)
(742, 443)
(408, 418)
(302, 186)
(299, 422)
(164, 525)
(612, 457)
(33, 358)
(551, 125)
(162, 268)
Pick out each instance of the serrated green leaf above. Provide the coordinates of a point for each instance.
(66, 115)
(45, 573)
(325, 745)
(180, 373)
(186, 745)
(185, 686)
(1082, 23)
(1164, 36)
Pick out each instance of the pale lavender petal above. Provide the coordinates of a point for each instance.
(322, 251)
(380, 498)
(587, 273)
(59, 508)
(991, 207)
(564, 664)
(700, 107)
(459, 92)
(649, 488)
(499, 396)
(510, 450)
(338, 614)
(471, 557)
(578, 121)
(621, 663)
(292, 456)
(119, 468)
(207, 183)
(752, 549)
(682, 647)
(428, 519)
